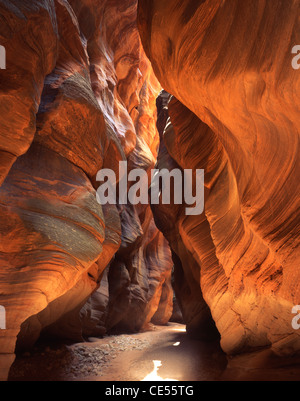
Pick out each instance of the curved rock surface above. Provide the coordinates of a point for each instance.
(74, 99)
(140, 279)
(235, 113)
(187, 286)
(30, 56)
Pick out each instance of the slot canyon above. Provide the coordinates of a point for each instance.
(143, 291)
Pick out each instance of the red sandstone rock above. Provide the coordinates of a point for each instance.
(95, 107)
(168, 218)
(165, 307)
(237, 113)
(52, 230)
(28, 32)
(137, 277)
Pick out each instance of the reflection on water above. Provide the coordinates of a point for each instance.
(153, 376)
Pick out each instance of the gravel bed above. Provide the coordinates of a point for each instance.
(70, 362)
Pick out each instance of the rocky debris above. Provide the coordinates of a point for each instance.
(124, 342)
(70, 362)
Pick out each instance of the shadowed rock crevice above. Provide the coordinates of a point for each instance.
(194, 308)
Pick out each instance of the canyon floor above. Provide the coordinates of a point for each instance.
(161, 353)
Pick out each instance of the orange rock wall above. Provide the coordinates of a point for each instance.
(78, 95)
(235, 113)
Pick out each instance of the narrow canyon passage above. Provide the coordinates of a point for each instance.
(149, 190)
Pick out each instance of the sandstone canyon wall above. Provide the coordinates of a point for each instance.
(78, 95)
(234, 113)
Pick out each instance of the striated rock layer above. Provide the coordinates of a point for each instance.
(235, 113)
(78, 95)
(30, 56)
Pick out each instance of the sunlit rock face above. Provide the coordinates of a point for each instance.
(30, 56)
(235, 113)
(79, 93)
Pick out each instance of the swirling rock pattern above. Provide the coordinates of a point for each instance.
(52, 230)
(235, 113)
(78, 95)
(30, 56)
(140, 277)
